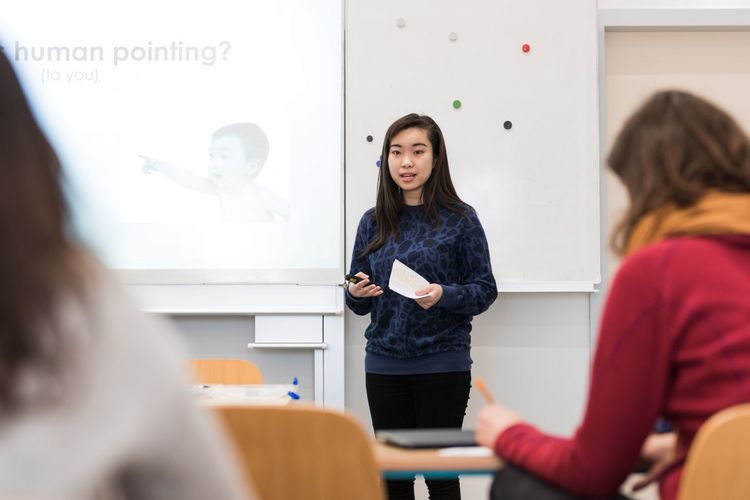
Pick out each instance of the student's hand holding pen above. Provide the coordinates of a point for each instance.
(362, 288)
(661, 451)
(493, 419)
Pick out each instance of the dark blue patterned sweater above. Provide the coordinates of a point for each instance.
(455, 256)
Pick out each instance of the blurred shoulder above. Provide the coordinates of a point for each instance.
(110, 313)
(644, 263)
(685, 250)
(679, 258)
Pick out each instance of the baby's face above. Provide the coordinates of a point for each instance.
(228, 163)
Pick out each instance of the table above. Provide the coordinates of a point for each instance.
(219, 395)
(401, 463)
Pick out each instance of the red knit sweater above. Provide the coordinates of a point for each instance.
(674, 341)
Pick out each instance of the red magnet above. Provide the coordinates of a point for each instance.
(526, 47)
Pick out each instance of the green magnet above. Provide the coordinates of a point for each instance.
(457, 104)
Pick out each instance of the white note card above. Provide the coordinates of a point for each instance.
(466, 451)
(405, 281)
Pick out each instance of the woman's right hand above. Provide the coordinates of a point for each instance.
(364, 288)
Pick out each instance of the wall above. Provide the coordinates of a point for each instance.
(713, 64)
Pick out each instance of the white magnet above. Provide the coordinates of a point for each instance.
(453, 37)
(400, 22)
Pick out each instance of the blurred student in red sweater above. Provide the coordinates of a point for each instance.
(674, 339)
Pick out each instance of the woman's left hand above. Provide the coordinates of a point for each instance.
(661, 451)
(433, 291)
(493, 420)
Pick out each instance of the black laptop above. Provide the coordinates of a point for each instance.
(427, 438)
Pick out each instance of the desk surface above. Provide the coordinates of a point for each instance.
(396, 462)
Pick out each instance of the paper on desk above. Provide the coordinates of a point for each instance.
(405, 282)
(260, 394)
(466, 451)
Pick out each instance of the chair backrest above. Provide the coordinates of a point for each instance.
(718, 462)
(225, 371)
(301, 452)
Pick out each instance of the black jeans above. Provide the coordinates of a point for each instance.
(425, 401)
(513, 483)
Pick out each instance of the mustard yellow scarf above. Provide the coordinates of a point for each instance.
(715, 213)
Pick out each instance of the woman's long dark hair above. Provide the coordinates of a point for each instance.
(437, 192)
(674, 149)
(38, 260)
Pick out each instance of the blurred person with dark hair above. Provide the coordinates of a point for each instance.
(94, 396)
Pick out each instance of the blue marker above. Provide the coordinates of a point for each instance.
(293, 394)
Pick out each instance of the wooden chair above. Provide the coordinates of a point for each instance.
(225, 371)
(718, 462)
(304, 452)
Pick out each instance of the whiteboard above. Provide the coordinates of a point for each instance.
(142, 103)
(535, 186)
